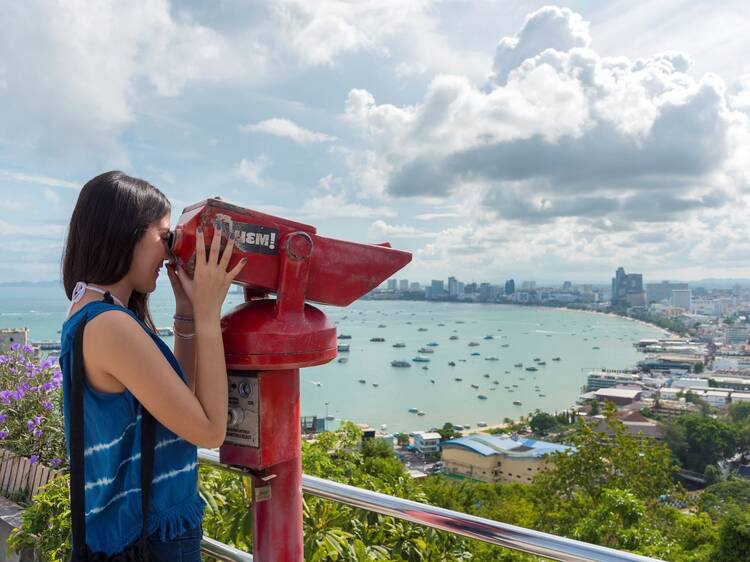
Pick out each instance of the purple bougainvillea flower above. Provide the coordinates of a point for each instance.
(28, 348)
(5, 397)
(3, 359)
(15, 346)
(3, 434)
(33, 459)
(3, 417)
(37, 432)
(30, 425)
(55, 462)
(47, 405)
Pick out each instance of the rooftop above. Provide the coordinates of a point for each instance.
(488, 445)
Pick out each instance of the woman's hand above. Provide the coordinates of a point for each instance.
(183, 305)
(210, 282)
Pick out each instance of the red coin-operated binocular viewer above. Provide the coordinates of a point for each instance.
(267, 341)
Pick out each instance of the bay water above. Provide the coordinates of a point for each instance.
(582, 340)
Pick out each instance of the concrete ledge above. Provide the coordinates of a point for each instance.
(10, 518)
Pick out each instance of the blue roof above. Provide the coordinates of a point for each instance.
(488, 445)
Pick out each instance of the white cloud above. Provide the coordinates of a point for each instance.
(382, 228)
(337, 206)
(39, 180)
(285, 128)
(252, 171)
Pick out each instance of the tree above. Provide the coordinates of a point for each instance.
(698, 441)
(542, 423)
(402, 439)
(448, 432)
(734, 537)
(698, 367)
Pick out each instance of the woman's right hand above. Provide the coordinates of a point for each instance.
(210, 282)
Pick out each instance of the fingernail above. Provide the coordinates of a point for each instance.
(244, 260)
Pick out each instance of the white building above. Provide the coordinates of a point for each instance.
(681, 298)
(403, 285)
(10, 336)
(426, 443)
(735, 334)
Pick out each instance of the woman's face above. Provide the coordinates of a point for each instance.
(149, 256)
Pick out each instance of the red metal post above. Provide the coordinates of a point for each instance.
(267, 341)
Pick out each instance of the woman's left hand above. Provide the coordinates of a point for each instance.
(182, 301)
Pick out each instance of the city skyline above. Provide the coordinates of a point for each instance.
(479, 136)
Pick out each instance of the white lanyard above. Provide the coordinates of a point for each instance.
(80, 289)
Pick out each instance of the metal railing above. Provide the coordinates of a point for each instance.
(493, 532)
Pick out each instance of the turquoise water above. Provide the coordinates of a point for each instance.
(528, 332)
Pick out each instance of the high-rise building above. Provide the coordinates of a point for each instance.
(567, 285)
(627, 289)
(392, 284)
(657, 292)
(510, 287)
(484, 292)
(681, 298)
(403, 285)
(452, 287)
(437, 289)
(528, 285)
(415, 286)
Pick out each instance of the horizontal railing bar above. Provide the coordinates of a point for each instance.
(224, 552)
(493, 532)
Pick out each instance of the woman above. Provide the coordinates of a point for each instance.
(117, 242)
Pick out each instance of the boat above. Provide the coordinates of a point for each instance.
(518, 365)
(375, 384)
(399, 345)
(473, 344)
(343, 359)
(517, 403)
(486, 375)
(504, 345)
(475, 354)
(330, 418)
(342, 347)
(165, 331)
(555, 359)
(377, 339)
(489, 337)
(453, 338)
(421, 359)
(432, 381)
(421, 329)
(542, 363)
(362, 381)
(413, 410)
(481, 424)
(542, 396)
(425, 350)
(459, 321)
(531, 369)
(425, 367)
(474, 386)
(496, 382)
(397, 363)
(433, 344)
(537, 358)
(344, 337)
(507, 372)
(441, 324)
(381, 325)
(452, 363)
(515, 386)
(492, 358)
(458, 379)
(420, 413)
(595, 347)
(482, 397)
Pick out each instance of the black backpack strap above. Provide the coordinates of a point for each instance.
(77, 475)
(77, 479)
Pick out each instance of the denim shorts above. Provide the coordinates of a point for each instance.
(183, 548)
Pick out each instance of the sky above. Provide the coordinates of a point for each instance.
(492, 139)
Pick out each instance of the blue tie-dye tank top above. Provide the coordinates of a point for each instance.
(112, 452)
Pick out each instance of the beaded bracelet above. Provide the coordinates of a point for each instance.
(183, 318)
(183, 336)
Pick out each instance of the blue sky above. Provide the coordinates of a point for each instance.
(491, 139)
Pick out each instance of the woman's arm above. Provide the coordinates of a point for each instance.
(184, 349)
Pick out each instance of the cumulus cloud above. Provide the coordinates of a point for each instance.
(338, 206)
(591, 146)
(253, 171)
(382, 228)
(288, 129)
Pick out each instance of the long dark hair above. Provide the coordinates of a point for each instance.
(111, 215)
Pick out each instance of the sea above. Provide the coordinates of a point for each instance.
(365, 388)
